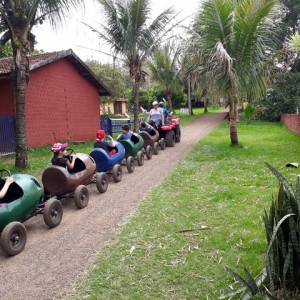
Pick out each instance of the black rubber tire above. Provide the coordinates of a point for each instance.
(13, 238)
(156, 148)
(178, 134)
(130, 164)
(170, 138)
(53, 212)
(117, 173)
(81, 196)
(101, 182)
(148, 152)
(140, 158)
(162, 143)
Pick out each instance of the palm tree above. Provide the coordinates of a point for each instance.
(129, 35)
(234, 40)
(18, 18)
(165, 71)
(293, 43)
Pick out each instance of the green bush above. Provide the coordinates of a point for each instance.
(283, 97)
(249, 112)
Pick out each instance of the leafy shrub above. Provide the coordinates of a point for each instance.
(249, 112)
(282, 271)
(283, 236)
(283, 97)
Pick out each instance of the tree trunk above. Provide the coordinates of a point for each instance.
(170, 104)
(233, 123)
(205, 105)
(20, 77)
(136, 105)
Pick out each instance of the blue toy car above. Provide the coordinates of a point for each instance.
(109, 163)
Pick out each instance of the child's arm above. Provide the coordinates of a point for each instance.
(70, 165)
(112, 141)
(7, 183)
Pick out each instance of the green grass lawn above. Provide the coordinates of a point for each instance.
(217, 192)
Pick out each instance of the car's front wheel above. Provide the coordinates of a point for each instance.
(102, 182)
(13, 238)
(81, 196)
(53, 212)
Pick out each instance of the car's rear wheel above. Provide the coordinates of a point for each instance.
(130, 164)
(53, 212)
(170, 138)
(148, 152)
(162, 144)
(117, 173)
(178, 134)
(101, 182)
(81, 196)
(13, 238)
(140, 158)
(156, 148)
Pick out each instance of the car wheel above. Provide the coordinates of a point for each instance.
(13, 238)
(53, 212)
(130, 164)
(156, 148)
(81, 196)
(117, 173)
(101, 182)
(178, 134)
(170, 138)
(140, 158)
(148, 152)
(162, 144)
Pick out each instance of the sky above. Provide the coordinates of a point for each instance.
(78, 37)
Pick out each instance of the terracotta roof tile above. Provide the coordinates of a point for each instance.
(6, 63)
(38, 60)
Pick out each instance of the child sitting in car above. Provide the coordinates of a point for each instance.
(126, 133)
(99, 143)
(60, 157)
(147, 128)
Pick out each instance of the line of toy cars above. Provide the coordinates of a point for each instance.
(27, 196)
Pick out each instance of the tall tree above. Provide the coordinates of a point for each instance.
(235, 39)
(18, 18)
(165, 71)
(130, 34)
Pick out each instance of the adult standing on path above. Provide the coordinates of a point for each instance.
(54, 259)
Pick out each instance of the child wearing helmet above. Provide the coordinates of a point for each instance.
(99, 143)
(60, 157)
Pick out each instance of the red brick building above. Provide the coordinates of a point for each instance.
(62, 98)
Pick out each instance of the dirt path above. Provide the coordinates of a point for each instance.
(53, 259)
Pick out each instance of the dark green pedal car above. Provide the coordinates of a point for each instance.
(133, 148)
(24, 199)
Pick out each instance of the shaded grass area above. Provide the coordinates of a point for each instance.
(219, 194)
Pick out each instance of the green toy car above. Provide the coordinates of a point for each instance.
(133, 148)
(23, 200)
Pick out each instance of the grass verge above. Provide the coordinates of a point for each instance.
(204, 217)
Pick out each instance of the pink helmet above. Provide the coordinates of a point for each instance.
(58, 146)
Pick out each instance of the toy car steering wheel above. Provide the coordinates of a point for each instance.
(4, 171)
